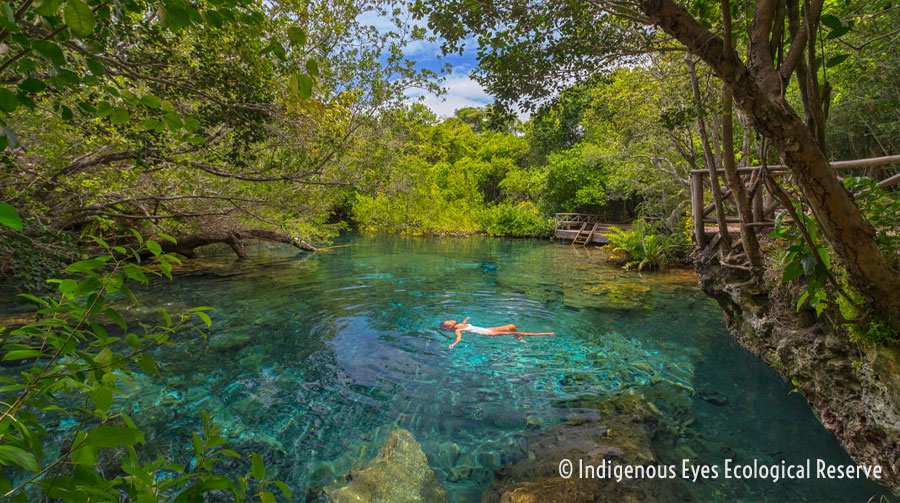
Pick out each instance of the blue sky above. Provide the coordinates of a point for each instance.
(462, 90)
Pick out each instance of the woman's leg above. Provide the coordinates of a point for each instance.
(503, 328)
(511, 332)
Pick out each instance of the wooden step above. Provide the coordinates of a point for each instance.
(584, 237)
(575, 241)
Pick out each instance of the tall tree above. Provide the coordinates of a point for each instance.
(531, 49)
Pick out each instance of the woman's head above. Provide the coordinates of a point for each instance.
(448, 325)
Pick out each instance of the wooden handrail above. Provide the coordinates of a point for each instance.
(763, 208)
(856, 163)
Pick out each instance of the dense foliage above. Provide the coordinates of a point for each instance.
(134, 132)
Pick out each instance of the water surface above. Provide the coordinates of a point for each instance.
(313, 359)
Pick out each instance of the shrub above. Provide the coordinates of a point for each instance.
(73, 369)
(644, 247)
(523, 219)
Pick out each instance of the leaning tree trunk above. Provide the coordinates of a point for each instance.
(759, 94)
(186, 244)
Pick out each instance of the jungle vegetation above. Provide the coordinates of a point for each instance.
(135, 132)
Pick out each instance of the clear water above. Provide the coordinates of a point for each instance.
(312, 360)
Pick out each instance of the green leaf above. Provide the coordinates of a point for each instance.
(172, 121)
(21, 354)
(167, 237)
(306, 84)
(154, 124)
(85, 455)
(257, 468)
(134, 272)
(837, 32)
(793, 271)
(151, 101)
(312, 67)
(48, 7)
(830, 21)
(95, 67)
(119, 116)
(114, 436)
(205, 317)
(284, 489)
(215, 483)
(50, 51)
(175, 17)
(147, 364)
(32, 85)
(154, 247)
(116, 317)
(10, 455)
(802, 299)
(9, 217)
(132, 340)
(191, 124)
(102, 398)
(8, 100)
(214, 19)
(85, 265)
(266, 497)
(79, 17)
(823, 254)
(68, 285)
(836, 60)
(297, 35)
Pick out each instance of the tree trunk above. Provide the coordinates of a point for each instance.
(234, 238)
(851, 236)
(711, 164)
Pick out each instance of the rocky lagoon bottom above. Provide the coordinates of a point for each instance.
(314, 360)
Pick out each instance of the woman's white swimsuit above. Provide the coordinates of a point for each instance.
(472, 329)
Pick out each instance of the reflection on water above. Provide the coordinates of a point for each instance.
(312, 360)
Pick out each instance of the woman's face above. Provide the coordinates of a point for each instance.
(448, 324)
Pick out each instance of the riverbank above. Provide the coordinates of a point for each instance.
(853, 390)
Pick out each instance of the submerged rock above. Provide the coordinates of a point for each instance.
(618, 434)
(398, 474)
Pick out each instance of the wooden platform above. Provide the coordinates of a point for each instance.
(584, 227)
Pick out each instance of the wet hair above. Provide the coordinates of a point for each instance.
(445, 325)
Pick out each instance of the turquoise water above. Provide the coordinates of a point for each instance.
(312, 360)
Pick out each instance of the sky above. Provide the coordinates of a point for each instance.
(462, 90)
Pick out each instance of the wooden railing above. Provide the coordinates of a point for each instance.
(763, 205)
(568, 221)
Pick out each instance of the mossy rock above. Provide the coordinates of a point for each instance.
(398, 474)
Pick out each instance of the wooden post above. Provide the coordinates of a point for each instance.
(758, 202)
(697, 209)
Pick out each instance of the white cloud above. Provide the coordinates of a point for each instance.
(462, 91)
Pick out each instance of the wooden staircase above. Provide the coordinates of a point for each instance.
(584, 236)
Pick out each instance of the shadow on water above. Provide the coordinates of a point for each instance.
(312, 360)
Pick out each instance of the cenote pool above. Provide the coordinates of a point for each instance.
(313, 360)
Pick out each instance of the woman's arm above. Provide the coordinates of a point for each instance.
(458, 337)
(466, 320)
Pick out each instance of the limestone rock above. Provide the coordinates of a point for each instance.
(619, 434)
(398, 474)
(858, 403)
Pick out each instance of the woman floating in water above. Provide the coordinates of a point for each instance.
(510, 329)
